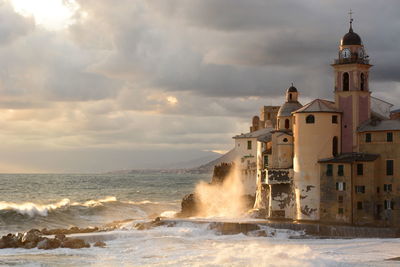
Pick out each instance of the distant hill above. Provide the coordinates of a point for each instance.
(200, 165)
(209, 167)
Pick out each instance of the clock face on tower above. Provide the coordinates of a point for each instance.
(346, 53)
(361, 53)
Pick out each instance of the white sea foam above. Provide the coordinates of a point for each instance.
(189, 244)
(168, 214)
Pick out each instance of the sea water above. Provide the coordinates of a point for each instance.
(64, 200)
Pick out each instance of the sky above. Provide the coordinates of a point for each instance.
(100, 85)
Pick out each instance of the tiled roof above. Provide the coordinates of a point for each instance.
(318, 105)
(350, 157)
(380, 125)
(255, 134)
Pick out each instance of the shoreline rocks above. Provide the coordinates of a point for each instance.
(35, 238)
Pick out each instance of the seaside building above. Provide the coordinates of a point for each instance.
(329, 161)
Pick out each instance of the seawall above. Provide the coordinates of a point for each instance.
(310, 229)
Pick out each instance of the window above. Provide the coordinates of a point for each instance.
(287, 124)
(335, 146)
(334, 119)
(387, 187)
(360, 169)
(249, 145)
(340, 171)
(329, 170)
(368, 138)
(310, 119)
(340, 199)
(345, 81)
(268, 116)
(378, 189)
(285, 140)
(388, 204)
(360, 189)
(340, 186)
(389, 137)
(359, 205)
(362, 82)
(290, 96)
(340, 210)
(389, 167)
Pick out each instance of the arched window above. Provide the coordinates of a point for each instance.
(310, 119)
(345, 81)
(287, 124)
(290, 96)
(335, 146)
(362, 82)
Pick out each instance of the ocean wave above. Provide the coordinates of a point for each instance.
(32, 209)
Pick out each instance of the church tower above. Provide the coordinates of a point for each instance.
(352, 95)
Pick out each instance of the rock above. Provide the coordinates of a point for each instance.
(74, 243)
(29, 245)
(189, 206)
(261, 233)
(60, 237)
(257, 213)
(228, 228)
(49, 244)
(100, 244)
(11, 241)
(31, 237)
(221, 172)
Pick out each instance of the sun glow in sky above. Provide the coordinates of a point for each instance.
(51, 14)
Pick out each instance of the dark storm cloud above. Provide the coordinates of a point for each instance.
(238, 48)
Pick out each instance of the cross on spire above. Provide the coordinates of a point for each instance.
(351, 20)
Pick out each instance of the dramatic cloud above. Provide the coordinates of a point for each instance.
(127, 82)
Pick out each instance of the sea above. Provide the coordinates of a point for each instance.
(64, 200)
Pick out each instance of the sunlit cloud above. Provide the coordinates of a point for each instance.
(51, 14)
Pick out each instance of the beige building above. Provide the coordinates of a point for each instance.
(330, 161)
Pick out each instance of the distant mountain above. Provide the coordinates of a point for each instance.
(194, 163)
(209, 167)
(203, 164)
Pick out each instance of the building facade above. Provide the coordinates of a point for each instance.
(329, 161)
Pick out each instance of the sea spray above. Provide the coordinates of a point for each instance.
(224, 199)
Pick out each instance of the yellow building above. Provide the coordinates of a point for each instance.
(332, 161)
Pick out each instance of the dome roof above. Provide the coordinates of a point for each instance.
(351, 38)
(287, 108)
(292, 89)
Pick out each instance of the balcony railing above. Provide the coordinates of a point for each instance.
(351, 61)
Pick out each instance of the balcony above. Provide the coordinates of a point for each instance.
(351, 61)
(277, 176)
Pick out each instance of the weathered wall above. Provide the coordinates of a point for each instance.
(281, 201)
(330, 196)
(311, 143)
(365, 215)
(387, 151)
(247, 163)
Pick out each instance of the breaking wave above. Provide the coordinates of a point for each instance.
(65, 213)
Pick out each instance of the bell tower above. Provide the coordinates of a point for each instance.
(352, 95)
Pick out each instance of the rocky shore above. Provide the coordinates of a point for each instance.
(49, 239)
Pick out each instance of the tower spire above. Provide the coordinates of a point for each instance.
(351, 20)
